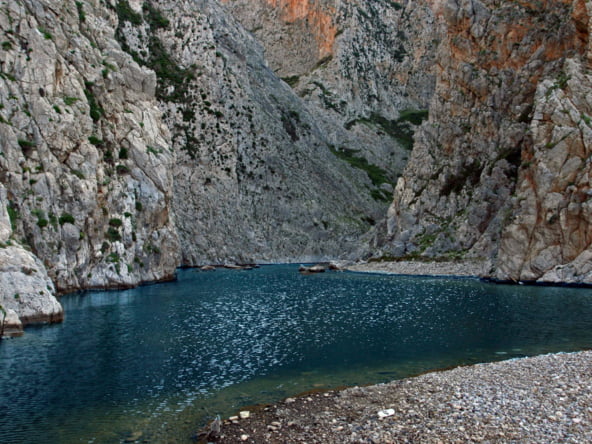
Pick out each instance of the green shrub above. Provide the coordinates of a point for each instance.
(292, 81)
(123, 153)
(26, 144)
(66, 218)
(53, 220)
(126, 14)
(122, 169)
(96, 112)
(81, 14)
(113, 258)
(46, 34)
(69, 101)
(154, 17)
(115, 222)
(113, 234)
(95, 140)
(376, 174)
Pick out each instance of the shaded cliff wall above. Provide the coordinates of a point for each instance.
(364, 69)
(255, 175)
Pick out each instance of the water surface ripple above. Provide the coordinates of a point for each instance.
(162, 359)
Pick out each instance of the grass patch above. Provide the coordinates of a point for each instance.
(26, 144)
(69, 101)
(400, 129)
(13, 214)
(376, 174)
(291, 80)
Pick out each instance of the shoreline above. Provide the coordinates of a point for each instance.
(545, 398)
(467, 268)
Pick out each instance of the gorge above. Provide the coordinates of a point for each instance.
(139, 136)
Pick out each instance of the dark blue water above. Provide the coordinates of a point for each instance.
(160, 360)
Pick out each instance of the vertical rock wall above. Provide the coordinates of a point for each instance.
(85, 193)
(255, 178)
(458, 192)
(363, 68)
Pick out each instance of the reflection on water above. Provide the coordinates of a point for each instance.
(163, 359)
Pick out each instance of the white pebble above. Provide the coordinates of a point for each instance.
(385, 413)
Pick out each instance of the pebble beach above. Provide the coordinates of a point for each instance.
(542, 399)
(472, 268)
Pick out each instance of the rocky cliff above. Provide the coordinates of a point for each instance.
(256, 178)
(85, 194)
(141, 135)
(137, 136)
(500, 168)
(365, 69)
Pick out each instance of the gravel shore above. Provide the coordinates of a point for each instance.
(465, 268)
(542, 399)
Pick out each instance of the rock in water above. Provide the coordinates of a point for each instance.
(27, 294)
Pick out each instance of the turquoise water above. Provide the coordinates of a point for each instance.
(158, 361)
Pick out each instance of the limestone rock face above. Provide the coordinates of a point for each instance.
(27, 295)
(78, 117)
(256, 177)
(141, 135)
(365, 69)
(495, 63)
(25, 287)
(549, 236)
